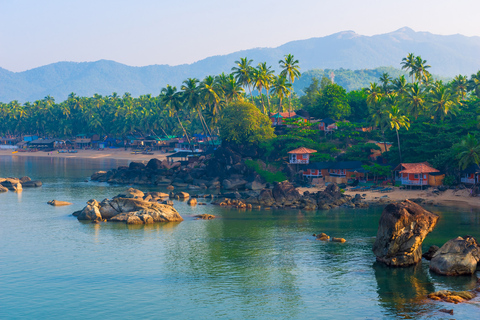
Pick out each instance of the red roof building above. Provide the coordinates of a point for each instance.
(300, 155)
(414, 174)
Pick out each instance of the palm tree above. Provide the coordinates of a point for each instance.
(281, 89)
(459, 86)
(468, 151)
(243, 73)
(192, 99)
(232, 90)
(414, 100)
(474, 84)
(374, 94)
(173, 100)
(268, 78)
(259, 79)
(397, 121)
(385, 79)
(290, 70)
(420, 69)
(408, 64)
(399, 85)
(441, 102)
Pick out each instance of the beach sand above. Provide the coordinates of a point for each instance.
(119, 154)
(449, 198)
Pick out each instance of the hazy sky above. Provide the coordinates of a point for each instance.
(145, 32)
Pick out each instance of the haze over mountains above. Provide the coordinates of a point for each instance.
(448, 56)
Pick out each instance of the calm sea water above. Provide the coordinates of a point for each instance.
(243, 265)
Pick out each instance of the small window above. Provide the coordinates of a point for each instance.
(425, 177)
(415, 176)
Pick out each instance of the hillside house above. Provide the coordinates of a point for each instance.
(278, 118)
(414, 174)
(300, 155)
(327, 125)
(317, 169)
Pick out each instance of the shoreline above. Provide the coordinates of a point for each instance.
(448, 198)
(116, 154)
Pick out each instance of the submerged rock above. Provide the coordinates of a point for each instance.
(204, 216)
(452, 296)
(456, 257)
(401, 231)
(57, 203)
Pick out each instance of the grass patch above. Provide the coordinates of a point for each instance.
(269, 176)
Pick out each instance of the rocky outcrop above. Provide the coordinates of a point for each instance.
(57, 203)
(3, 189)
(130, 210)
(456, 257)
(285, 193)
(12, 184)
(401, 231)
(431, 251)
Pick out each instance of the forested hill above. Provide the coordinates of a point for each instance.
(448, 56)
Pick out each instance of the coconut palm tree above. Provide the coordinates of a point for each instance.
(281, 88)
(243, 72)
(385, 80)
(459, 86)
(290, 70)
(414, 100)
(474, 84)
(468, 151)
(441, 102)
(420, 69)
(193, 101)
(174, 101)
(397, 121)
(259, 80)
(408, 64)
(399, 85)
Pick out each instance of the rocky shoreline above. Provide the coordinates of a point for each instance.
(17, 184)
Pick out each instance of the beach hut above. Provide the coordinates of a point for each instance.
(414, 174)
(300, 155)
(471, 175)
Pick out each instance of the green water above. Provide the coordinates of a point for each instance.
(243, 265)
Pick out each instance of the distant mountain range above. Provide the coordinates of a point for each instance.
(448, 56)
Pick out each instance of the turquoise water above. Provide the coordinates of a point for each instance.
(243, 265)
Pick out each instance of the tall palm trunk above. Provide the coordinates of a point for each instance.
(184, 131)
(399, 151)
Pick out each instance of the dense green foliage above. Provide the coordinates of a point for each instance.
(242, 123)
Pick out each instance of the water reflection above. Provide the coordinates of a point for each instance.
(401, 290)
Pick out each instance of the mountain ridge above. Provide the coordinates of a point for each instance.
(448, 55)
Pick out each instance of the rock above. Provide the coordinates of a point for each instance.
(255, 185)
(3, 189)
(342, 240)
(401, 231)
(59, 203)
(133, 193)
(182, 195)
(234, 184)
(168, 202)
(429, 254)
(12, 184)
(154, 164)
(192, 202)
(265, 198)
(170, 187)
(204, 216)
(456, 257)
(285, 193)
(323, 236)
(232, 195)
(25, 179)
(136, 166)
(98, 175)
(452, 296)
(32, 184)
(129, 210)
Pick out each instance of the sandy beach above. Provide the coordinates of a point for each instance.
(450, 198)
(119, 154)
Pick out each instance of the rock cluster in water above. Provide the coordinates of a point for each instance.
(401, 231)
(132, 207)
(17, 184)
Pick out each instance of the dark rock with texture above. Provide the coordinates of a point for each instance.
(401, 231)
(285, 193)
(458, 256)
(431, 251)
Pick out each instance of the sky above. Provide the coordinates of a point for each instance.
(34, 33)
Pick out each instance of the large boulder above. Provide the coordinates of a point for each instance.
(32, 184)
(128, 210)
(12, 184)
(456, 257)
(401, 231)
(133, 193)
(285, 193)
(154, 164)
(265, 198)
(136, 165)
(57, 203)
(234, 184)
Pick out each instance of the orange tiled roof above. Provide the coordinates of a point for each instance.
(284, 114)
(423, 167)
(302, 150)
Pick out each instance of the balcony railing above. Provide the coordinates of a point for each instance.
(414, 182)
(467, 180)
(298, 161)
